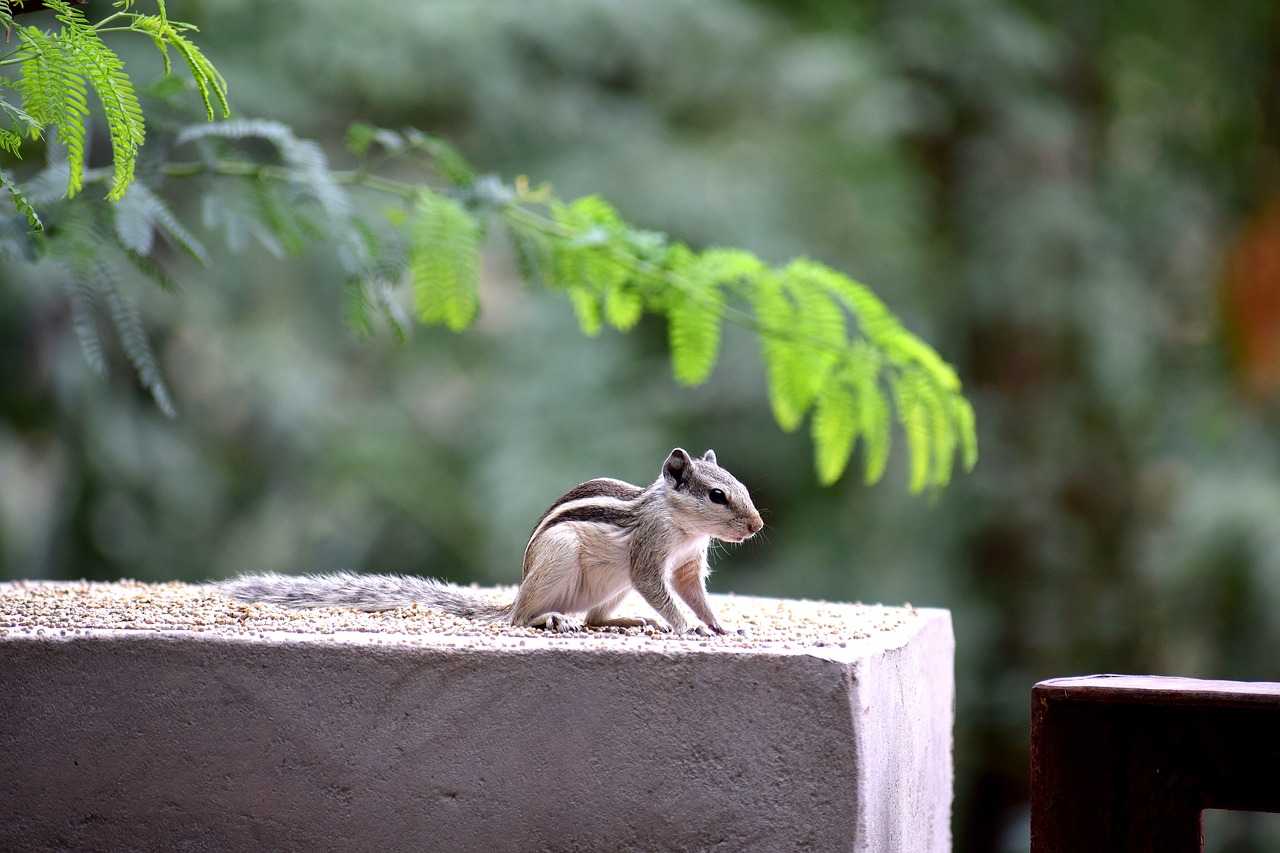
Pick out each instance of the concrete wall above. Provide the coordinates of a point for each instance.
(172, 740)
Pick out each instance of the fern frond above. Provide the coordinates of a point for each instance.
(444, 261)
(54, 94)
(372, 293)
(391, 310)
(231, 212)
(695, 314)
(21, 202)
(140, 213)
(150, 269)
(449, 163)
(623, 307)
(584, 259)
(11, 142)
(97, 63)
(280, 217)
(359, 308)
(61, 63)
(209, 82)
(310, 168)
(874, 416)
(915, 413)
(802, 338)
(962, 417)
(307, 171)
(304, 159)
(534, 253)
(84, 324)
(784, 360)
(95, 280)
(834, 429)
(362, 136)
(23, 121)
(819, 331)
(133, 338)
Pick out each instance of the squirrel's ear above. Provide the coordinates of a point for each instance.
(677, 467)
(709, 456)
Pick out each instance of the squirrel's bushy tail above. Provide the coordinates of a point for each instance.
(363, 592)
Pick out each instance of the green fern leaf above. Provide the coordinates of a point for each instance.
(586, 307)
(785, 362)
(586, 212)
(729, 266)
(84, 56)
(942, 436)
(834, 429)
(874, 416)
(534, 252)
(392, 311)
(23, 122)
(309, 174)
(802, 338)
(584, 250)
(82, 300)
(54, 95)
(140, 213)
(233, 213)
(588, 257)
(449, 163)
(916, 417)
(819, 330)
(21, 202)
(135, 223)
(693, 331)
(623, 307)
(695, 313)
(963, 420)
(11, 142)
(444, 261)
(105, 72)
(209, 83)
(359, 308)
(150, 269)
(133, 338)
(904, 348)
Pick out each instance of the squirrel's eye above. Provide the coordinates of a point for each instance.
(717, 497)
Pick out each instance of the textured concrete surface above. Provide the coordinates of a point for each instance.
(176, 739)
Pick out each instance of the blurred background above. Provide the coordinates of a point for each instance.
(1077, 204)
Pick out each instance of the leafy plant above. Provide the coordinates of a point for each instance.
(830, 347)
(832, 351)
(58, 67)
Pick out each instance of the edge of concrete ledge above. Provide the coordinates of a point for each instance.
(171, 739)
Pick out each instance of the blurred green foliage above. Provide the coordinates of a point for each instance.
(1069, 201)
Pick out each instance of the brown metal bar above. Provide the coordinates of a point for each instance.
(1128, 763)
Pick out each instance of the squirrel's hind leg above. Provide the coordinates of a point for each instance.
(601, 616)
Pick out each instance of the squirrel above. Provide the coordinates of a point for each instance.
(588, 550)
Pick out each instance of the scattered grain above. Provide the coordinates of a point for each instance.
(81, 606)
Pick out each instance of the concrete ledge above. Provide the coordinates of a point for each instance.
(254, 739)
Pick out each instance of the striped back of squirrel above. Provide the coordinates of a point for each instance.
(600, 501)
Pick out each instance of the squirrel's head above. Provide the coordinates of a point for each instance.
(708, 498)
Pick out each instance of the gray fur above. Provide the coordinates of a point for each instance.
(363, 592)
